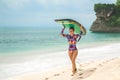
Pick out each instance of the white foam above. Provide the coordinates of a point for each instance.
(40, 63)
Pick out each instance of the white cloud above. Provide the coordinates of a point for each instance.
(53, 2)
(71, 2)
(63, 2)
(80, 10)
(104, 1)
(14, 4)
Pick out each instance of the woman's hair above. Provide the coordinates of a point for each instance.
(72, 28)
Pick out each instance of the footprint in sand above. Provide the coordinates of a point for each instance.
(80, 77)
(46, 78)
(81, 74)
(100, 65)
(56, 74)
(84, 74)
(63, 72)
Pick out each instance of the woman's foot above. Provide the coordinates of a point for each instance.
(73, 72)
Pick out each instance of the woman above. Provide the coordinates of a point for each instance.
(73, 52)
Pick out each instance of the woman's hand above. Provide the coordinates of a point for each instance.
(64, 26)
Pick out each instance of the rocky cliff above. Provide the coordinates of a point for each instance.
(107, 18)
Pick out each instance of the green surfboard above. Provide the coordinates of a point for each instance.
(67, 23)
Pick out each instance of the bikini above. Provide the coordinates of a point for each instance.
(71, 40)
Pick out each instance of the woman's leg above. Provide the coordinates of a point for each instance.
(75, 53)
(70, 55)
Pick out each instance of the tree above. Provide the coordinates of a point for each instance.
(118, 3)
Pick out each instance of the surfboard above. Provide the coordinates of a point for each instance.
(67, 23)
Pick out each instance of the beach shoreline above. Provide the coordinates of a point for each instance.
(40, 65)
(86, 71)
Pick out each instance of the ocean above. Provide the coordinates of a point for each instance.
(34, 49)
(18, 39)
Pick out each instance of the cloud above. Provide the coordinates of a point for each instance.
(51, 5)
(63, 3)
(14, 4)
(38, 12)
(59, 2)
(104, 1)
(71, 2)
(48, 3)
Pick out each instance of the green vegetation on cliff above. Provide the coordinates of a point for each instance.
(108, 13)
(118, 2)
(103, 7)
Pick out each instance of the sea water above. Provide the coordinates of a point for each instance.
(36, 49)
(18, 39)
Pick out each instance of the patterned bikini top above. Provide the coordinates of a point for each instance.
(71, 39)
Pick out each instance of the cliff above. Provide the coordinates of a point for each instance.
(107, 18)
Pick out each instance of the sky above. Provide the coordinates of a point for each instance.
(42, 13)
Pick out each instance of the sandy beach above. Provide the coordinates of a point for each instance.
(38, 36)
(107, 68)
(95, 70)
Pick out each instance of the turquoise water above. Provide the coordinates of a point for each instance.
(14, 41)
(18, 39)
